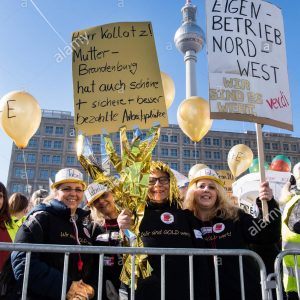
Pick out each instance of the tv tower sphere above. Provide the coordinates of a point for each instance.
(189, 36)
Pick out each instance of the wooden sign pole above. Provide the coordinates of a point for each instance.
(261, 159)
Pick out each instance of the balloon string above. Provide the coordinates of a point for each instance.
(26, 175)
(195, 144)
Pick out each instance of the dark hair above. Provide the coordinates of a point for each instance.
(4, 211)
(17, 203)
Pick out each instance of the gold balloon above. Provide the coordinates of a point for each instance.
(20, 116)
(193, 117)
(169, 88)
(194, 169)
(239, 159)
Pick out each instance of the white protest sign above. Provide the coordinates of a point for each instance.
(248, 77)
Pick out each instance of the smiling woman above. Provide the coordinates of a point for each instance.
(224, 226)
(105, 232)
(166, 225)
(60, 221)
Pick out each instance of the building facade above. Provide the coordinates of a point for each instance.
(54, 147)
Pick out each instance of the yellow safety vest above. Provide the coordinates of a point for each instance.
(15, 225)
(290, 240)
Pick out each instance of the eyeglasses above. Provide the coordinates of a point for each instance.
(69, 190)
(161, 180)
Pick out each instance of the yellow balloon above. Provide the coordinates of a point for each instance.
(21, 116)
(193, 117)
(194, 169)
(169, 88)
(239, 159)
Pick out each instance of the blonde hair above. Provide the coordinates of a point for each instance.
(96, 216)
(174, 196)
(222, 209)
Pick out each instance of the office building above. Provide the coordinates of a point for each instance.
(54, 147)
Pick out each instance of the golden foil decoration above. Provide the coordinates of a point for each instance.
(131, 189)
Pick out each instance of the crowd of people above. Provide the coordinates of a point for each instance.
(204, 218)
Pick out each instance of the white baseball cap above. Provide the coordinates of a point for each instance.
(94, 191)
(68, 175)
(206, 173)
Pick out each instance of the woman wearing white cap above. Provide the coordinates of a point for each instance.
(58, 222)
(105, 232)
(224, 226)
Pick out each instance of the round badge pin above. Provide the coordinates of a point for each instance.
(167, 218)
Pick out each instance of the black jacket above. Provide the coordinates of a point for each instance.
(166, 226)
(51, 224)
(108, 235)
(228, 234)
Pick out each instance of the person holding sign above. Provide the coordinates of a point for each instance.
(105, 232)
(291, 231)
(224, 226)
(166, 225)
(60, 221)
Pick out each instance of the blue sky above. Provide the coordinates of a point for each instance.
(33, 31)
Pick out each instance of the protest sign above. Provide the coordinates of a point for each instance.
(116, 78)
(248, 78)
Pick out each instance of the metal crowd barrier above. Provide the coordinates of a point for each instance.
(278, 267)
(29, 248)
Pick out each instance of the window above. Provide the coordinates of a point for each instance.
(30, 173)
(294, 147)
(275, 146)
(19, 157)
(33, 143)
(58, 145)
(174, 166)
(268, 158)
(236, 142)
(207, 141)
(59, 130)
(49, 129)
(17, 188)
(71, 146)
(47, 144)
(31, 158)
(196, 154)
(19, 173)
(207, 155)
(174, 152)
(71, 160)
(216, 142)
(217, 167)
(53, 173)
(186, 140)
(217, 155)
(45, 159)
(56, 159)
(164, 138)
(96, 148)
(186, 153)
(164, 152)
(227, 143)
(154, 152)
(285, 147)
(174, 138)
(129, 135)
(248, 143)
(186, 167)
(118, 149)
(44, 174)
(267, 146)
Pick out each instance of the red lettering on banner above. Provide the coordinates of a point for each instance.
(278, 102)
